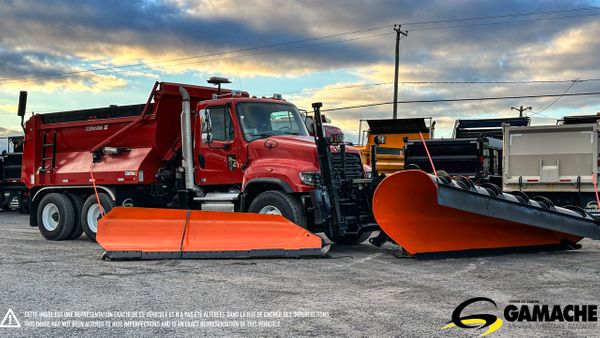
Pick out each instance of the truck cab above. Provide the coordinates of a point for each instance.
(256, 155)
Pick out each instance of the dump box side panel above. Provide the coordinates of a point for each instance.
(550, 158)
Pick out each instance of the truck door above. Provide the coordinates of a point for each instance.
(218, 160)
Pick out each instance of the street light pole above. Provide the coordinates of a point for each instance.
(398, 33)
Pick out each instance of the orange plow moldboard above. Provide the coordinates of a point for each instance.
(405, 206)
(144, 233)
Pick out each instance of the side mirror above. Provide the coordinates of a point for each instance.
(309, 122)
(206, 126)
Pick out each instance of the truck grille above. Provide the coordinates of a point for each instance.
(353, 165)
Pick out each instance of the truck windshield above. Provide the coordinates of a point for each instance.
(261, 120)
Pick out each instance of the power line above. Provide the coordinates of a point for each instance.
(558, 98)
(488, 17)
(215, 59)
(312, 90)
(323, 37)
(503, 22)
(463, 99)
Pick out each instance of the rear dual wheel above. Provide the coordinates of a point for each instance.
(77, 207)
(56, 217)
(91, 213)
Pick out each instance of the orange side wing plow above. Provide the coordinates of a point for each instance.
(425, 214)
(141, 233)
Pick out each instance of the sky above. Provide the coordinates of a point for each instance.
(94, 53)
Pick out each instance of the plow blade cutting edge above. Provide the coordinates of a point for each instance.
(425, 214)
(141, 233)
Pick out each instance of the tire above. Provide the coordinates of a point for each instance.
(279, 203)
(350, 239)
(55, 216)
(23, 204)
(77, 207)
(90, 211)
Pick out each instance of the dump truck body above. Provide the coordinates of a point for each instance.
(474, 128)
(557, 162)
(471, 157)
(390, 156)
(474, 152)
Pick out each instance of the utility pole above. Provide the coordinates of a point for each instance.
(520, 110)
(398, 33)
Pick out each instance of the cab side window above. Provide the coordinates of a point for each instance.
(221, 125)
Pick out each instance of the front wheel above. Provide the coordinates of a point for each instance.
(91, 213)
(350, 239)
(276, 202)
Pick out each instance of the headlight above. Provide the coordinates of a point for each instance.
(310, 177)
(369, 174)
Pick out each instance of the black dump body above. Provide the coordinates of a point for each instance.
(472, 157)
(397, 126)
(580, 119)
(474, 152)
(486, 127)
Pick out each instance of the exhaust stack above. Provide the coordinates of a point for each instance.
(22, 107)
(186, 141)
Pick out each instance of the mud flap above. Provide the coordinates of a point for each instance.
(423, 216)
(144, 233)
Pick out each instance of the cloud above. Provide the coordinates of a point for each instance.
(52, 37)
(8, 132)
(41, 71)
(125, 32)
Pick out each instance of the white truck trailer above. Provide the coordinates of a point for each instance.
(556, 162)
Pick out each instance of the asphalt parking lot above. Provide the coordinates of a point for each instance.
(64, 288)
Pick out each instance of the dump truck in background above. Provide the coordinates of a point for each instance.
(474, 152)
(556, 162)
(13, 193)
(390, 156)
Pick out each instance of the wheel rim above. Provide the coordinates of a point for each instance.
(270, 210)
(50, 217)
(92, 217)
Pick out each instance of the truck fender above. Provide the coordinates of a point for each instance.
(269, 180)
(99, 187)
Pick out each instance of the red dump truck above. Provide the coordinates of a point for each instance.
(229, 152)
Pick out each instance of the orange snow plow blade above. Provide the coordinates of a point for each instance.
(425, 214)
(141, 233)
